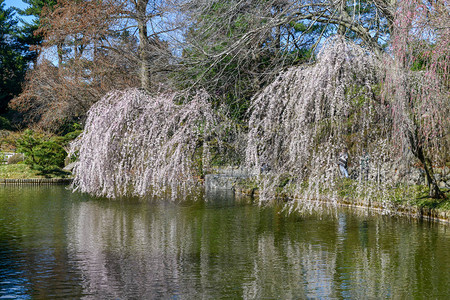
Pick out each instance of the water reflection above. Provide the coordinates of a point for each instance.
(219, 248)
(33, 256)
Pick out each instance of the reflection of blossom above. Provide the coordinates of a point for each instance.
(142, 250)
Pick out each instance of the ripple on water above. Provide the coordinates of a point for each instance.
(57, 244)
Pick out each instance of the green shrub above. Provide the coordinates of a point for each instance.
(41, 152)
(49, 156)
(70, 127)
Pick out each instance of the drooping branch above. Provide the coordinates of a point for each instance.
(135, 144)
(299, 123)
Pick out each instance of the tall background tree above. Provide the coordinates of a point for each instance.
(232, 49)
(14, 56)
(417, 83)
(100, 46)
(235, 48)
(34, 10)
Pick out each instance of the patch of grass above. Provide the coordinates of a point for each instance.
(417, 195)
(346, 188)
(423, 200)
(23, 171)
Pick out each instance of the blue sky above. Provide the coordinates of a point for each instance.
(18, 4)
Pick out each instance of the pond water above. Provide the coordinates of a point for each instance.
(54, 243)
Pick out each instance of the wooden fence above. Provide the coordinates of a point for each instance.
(37, 181)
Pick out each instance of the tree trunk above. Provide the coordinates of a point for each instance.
(144, 72)
(418, 151)
(341, 27)
(434, 191)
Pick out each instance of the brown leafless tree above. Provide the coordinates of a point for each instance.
(100, 46)
(100, 23)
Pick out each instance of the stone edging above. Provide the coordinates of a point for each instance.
(36, 181)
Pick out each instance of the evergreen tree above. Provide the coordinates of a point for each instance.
(14, 57)
(29, 35)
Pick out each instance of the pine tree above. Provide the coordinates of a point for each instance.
(29, 28)
(14, 57)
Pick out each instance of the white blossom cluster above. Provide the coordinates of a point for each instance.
(135, 144)
(301, 121)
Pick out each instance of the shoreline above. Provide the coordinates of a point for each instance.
(390, 208)
(393, 209)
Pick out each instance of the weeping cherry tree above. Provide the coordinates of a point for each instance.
(135, 144)
(301, 121)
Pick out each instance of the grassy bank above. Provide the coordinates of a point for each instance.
(398, 195)
(23, 171)
(410, 200)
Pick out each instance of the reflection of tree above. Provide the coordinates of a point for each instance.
(388, 258)
(162, 251)
(202, 250)
(51, 245)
